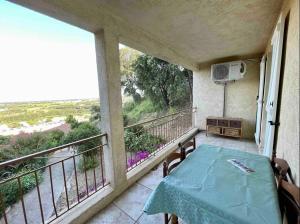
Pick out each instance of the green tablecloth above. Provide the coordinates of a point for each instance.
(206, 188)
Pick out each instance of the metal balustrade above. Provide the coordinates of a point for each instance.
(76, 170)
(160, 131)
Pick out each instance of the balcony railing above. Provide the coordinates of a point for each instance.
(144, 140)
(73, 172)
(62, 177)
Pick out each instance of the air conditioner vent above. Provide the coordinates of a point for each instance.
(229, 71)
(221, 72)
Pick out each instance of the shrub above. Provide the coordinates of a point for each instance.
(10, 190)
(125, 120)
(72, 121)
(95, 113)
(82, 131)
(23, 146)
(136, 111)
(37, 141)
(137, 139)
(27, 145)
(53, 139)
(4, 140)
(89, 163)
(128, 106)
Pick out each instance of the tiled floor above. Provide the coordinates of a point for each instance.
(128, 208)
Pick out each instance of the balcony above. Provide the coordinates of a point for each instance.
(128, 207)
(196, 35)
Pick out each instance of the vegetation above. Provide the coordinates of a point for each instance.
(81, 131)
(4, 140)
(127, 57)
(27, 145)
(72, 121)
(137, 139)
(40, 141)
(136, 111)
(11, 114)
(95, 114)
(165, 84)
(10, 190)
(156, 87)
(20, 147)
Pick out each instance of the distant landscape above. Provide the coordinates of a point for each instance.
(150, 88)
(29, 117)
(13, 114)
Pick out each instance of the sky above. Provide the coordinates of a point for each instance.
(42, 58)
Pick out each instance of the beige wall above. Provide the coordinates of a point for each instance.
(207, 97)
(240, 98)
(288, 134)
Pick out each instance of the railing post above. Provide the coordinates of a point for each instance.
(109, 79)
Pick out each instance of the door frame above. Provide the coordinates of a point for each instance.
(260, 100)
(271, 105)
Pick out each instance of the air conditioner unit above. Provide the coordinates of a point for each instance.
(230, 71)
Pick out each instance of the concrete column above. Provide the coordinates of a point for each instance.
(108, 66)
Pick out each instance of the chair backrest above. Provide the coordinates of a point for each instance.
(188, 147)
(173, 160)
(289, 200)
(282, 169)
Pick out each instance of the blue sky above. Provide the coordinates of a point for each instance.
(44, 59)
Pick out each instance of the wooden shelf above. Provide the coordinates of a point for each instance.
(231, 127)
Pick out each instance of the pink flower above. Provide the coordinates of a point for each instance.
(137, 157)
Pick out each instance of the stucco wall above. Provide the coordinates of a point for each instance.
(240, 98)
(288, 132)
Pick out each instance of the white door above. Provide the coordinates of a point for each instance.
(271, 105)
(260, 100)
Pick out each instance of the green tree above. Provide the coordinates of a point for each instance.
(189, 77)
(165, 84)
(131, 89)
(127, 57)
(95, 118)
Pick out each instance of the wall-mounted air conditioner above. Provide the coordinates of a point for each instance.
(230, 71)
